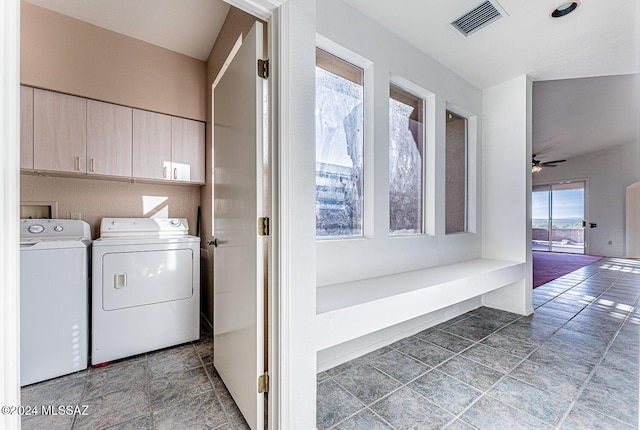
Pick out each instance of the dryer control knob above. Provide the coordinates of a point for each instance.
(58, 228)
(175, 222)
(36, 228)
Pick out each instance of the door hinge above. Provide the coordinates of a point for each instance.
(263, 226)
(263, 69)
(263, 383)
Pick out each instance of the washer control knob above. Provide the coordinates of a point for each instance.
(36, 228)
(58, 228)
(175, 222)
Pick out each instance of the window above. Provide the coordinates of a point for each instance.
(456, 171)
(339, 147)
(406, 148)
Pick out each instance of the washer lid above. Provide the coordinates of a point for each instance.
(54, 229)
(143, 227)
(40, 244)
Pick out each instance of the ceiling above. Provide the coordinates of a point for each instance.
(188, 27)
(571, 116)
(599, 38)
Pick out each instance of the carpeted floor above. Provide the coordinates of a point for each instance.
(548, 266)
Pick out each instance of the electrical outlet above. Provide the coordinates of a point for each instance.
(76, 215)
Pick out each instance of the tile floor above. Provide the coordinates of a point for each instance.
(573, 364)
(175, 388)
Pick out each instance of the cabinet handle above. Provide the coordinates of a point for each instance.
(92, 169)
(78, 164)
(175, 173)
(164, 172)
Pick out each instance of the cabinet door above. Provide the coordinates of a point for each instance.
(59, 132)
(26, 127)
(109, 148)
(187, 150)
(151, 145)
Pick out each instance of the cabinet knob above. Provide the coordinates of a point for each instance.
(78, 164)
(164, 172)
(92, 166)
(175, 173)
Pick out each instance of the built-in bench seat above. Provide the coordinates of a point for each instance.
(349, 310)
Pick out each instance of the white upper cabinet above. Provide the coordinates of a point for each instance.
(59, 132)
(168, 148)
(26, 127)
(187, 150)
(63, 133)
(151, 145)
(109, 137)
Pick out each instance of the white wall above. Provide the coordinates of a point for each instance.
(294, 214)
(506, 185)
(508, 139)
(378, 254)
(633, 221)
(608, 173)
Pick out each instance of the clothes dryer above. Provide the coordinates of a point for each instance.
(145, 287)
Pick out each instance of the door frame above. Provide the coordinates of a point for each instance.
(292, 267)
(550, 184)
(292, 354)
(9, 210)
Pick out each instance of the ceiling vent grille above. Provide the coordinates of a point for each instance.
(478, 18)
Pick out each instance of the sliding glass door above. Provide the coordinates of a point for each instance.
(541, 217)
(558, 213)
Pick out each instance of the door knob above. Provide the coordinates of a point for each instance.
(213, 242)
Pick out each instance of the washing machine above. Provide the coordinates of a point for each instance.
(54, 298)
(145, 287)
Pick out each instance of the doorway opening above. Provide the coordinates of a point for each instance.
(558, 217)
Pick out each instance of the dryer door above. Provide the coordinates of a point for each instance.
(146, 277)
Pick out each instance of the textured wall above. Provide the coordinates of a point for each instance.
(71, 56)
(95, 198)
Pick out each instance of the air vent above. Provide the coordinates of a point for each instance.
(478, 18)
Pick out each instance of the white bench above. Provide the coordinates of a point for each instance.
(350, 310)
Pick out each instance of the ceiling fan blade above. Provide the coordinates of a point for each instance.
(547, 163)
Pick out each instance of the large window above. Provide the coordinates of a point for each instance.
(406, 148)
(339, 147)
(456, 170)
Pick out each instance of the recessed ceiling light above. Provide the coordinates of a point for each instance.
(565, 9)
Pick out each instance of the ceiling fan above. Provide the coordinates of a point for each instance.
(537, 165)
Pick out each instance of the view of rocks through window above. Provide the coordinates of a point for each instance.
(339, 160)
(339, 151)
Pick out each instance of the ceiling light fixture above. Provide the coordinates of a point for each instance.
(565, 9)
(536, 169)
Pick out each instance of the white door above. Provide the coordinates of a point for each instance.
(238, 300)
